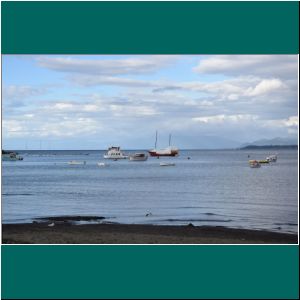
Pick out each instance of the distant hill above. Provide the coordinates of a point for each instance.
(278, 141)
(269, 147)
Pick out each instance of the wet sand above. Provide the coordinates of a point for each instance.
(66, 233)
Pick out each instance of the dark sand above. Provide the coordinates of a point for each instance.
(66, 233)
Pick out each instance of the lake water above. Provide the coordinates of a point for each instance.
(214, 187)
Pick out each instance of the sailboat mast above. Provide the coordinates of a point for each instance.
(169, 140)
(155, 140)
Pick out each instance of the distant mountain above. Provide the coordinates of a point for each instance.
(278, 141)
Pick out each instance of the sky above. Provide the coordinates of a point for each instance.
(93, 102)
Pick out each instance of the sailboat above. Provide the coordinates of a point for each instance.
(169, 151)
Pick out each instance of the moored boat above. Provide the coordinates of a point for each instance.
(76, 162)
(263, 161)
(138, 157)
(166, 164)
(254, 164)
(272, 158)
(102, 164)
(114, 153)
(169, 151)
(10, 156)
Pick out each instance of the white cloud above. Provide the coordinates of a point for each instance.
(259, 65)
(70, 127)
(292, 121)
(116, 98)
(12, 128)
(288, 122)
(132, 111)
(131, 65)
(264, 87)
(71, 107)
(218, 119)
(94, 80)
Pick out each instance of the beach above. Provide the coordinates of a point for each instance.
(68, 233)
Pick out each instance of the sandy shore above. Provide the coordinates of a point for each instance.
(65, 233)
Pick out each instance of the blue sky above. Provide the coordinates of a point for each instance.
(92, 102)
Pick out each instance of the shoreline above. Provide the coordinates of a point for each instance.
(64, 232)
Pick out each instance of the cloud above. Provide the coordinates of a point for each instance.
(70, 127)
(219, 119)
(257, 65)
(41, 125)
(97, 80)
(108, 67)
(15, 95)
(71, 107)
(132, 111)
(166, 88)
(240, 88)
(264, 87)
(290, 122)
(123, 99)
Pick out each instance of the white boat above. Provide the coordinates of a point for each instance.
(76, 162)
(166, 164)
(169, 151)
(10, 156)
(114, 153)
(138, 157)
(272, 158)
(102, 164)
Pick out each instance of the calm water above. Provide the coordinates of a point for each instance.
(212, 188)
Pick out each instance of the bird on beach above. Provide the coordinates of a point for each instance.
(51, 224)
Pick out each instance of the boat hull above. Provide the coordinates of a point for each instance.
(138, 158)
(155, 153)
(114, 157)
(255, 166)
(11, 158)
(263, 161)
(101, 164)
(167, 164)
(77, 163)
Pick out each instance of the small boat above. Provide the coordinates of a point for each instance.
(76, 162)
(102, 164)
(10, 156)
(138, 157)
(166, 164)
(114, 153)
(272, 158)
(169, 151)
(254, 164)
(263, 161)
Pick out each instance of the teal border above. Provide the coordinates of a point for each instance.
(150, 271)
(150, 27)
(178, 272)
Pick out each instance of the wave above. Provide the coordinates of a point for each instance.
(197, 220)
(289, 224)
(14, 194)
